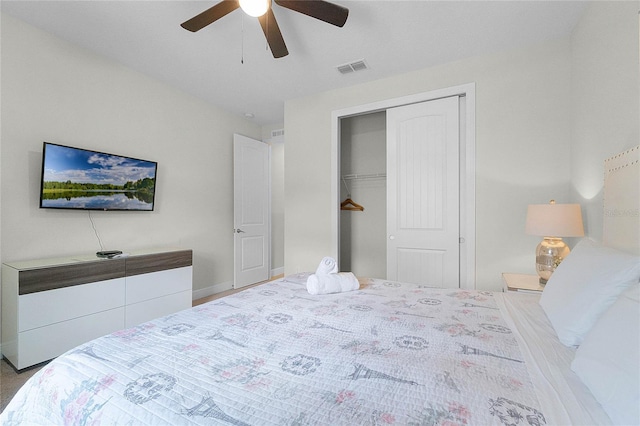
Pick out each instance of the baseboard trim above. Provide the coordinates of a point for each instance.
(210, 291)
(220, 287)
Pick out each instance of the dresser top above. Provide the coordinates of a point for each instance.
(69, 260)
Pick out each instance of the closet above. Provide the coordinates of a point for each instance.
(363, 241)
(400, 214)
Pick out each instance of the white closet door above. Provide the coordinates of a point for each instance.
(252, 211)
(423, 218)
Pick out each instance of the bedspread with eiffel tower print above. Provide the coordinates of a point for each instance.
(388, 353)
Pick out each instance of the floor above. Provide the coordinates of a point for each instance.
(10, 381)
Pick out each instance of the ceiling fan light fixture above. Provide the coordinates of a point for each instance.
(254, 8)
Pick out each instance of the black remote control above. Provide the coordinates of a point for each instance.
(108, 253)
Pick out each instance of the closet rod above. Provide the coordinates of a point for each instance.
(364, 176)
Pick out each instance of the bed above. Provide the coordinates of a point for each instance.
(387, 353)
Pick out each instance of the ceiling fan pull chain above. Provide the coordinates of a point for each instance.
(242, 41)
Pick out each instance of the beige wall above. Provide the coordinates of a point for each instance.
(605, 99)
(522, 152)
(57, 92)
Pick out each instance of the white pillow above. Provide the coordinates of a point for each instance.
(608, 361)
(584, 285)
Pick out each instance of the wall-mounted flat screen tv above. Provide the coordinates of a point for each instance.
(75, 178)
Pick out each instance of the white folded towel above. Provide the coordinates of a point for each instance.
(328, 265)
(332, 283)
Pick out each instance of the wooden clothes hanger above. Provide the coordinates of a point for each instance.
(349, 204)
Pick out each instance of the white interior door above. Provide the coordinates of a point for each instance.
(423, 218)
(251, 211)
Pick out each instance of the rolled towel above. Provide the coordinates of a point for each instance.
(328, 265)
(332, 283)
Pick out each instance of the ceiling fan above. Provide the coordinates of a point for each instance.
(262, 9)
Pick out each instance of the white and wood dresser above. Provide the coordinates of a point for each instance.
(52, 305)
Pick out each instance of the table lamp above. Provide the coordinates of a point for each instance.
(553, 221)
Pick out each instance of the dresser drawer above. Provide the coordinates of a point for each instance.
(148, 310)
(157, 284)
(44, 343)
(48, 307)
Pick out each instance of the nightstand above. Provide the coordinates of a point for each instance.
(521, 282)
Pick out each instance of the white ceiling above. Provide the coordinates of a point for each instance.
(392, 36)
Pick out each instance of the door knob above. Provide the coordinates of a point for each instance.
(238, 230)
(392, 237)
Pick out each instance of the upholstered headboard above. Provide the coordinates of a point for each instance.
(621, 223)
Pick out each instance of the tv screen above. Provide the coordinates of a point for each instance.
(75, 178)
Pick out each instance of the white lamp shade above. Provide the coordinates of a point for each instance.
(554, 220)
(254, 8)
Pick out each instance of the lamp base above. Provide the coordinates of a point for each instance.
(549, 253)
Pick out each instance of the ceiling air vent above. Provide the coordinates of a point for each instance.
(277, 136)
(352, 67)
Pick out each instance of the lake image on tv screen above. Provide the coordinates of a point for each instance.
(80, 179)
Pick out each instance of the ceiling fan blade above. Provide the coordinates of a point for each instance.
(323, 10)
(210, 15)
(273, 34)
